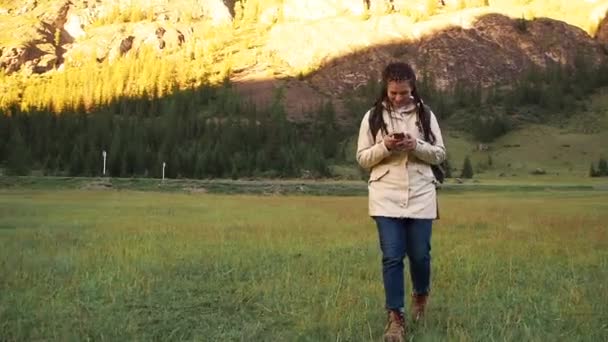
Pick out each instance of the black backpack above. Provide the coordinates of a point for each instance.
(438, 170)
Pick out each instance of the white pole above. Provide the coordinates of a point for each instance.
(104, 162)
(164, 164)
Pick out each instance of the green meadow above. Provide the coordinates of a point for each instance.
(115, 265)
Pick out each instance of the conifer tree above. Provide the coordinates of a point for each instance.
(18, 161)
(602, 167)
(592, 171)
(467, 168)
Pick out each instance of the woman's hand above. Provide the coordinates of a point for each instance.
(391, 142)
(408, 143)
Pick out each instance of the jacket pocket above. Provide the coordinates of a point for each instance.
(428, 178)
(378, 173)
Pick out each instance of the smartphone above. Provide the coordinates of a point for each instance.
(399, 136)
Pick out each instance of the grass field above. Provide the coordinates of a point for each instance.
(128, 265)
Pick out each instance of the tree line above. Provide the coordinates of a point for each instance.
(209, 131)
(199, 133)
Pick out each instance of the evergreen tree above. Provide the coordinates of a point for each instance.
(316, 163)
(602, 167)
(93, 162)
(289, 168)
(76, 160)
(261, 163)
(592, 172)
(114, 155)
(173, 169)
(150, 163)
(234, 172)
(467, 168)
(187, 161)
(139, 159)
(58, 165)
(5, 132)
(447, 168)
(18, 161)
(124, 165)
(199, 169)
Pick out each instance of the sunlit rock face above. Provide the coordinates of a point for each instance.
(602, 33)
(216, 11)
(319, 9)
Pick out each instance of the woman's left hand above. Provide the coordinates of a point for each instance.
(409, 142)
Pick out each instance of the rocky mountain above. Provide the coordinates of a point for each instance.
(316, 49)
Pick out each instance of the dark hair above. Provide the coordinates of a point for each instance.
(399, 71)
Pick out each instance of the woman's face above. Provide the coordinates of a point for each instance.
(399, 93)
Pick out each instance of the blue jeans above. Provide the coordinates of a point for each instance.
(400, 237)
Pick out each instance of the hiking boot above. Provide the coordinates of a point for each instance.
(418, 305)
(395, 327)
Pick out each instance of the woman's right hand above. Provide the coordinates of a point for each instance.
(391, 142)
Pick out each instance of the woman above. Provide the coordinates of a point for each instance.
(399, 139)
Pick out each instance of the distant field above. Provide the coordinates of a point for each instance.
(557, 151)
(565, 148)
(131, 265)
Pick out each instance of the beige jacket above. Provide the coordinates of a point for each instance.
(401, 184)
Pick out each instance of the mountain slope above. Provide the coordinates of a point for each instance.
(321, 49)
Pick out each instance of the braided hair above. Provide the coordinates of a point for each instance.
(398, 71)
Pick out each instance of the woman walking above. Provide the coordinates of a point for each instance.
(399, 140)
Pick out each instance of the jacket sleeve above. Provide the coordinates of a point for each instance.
(431, 153)
(369, 153)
